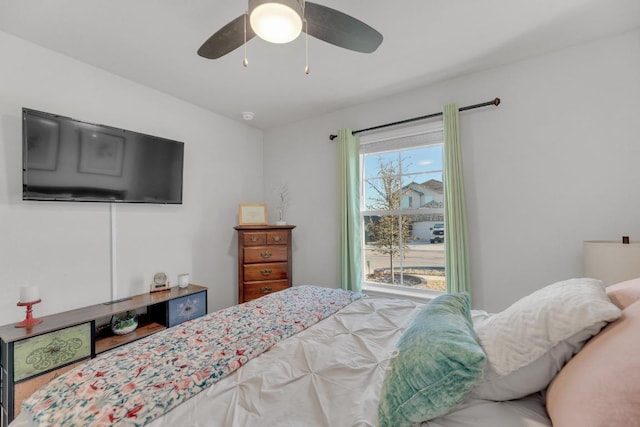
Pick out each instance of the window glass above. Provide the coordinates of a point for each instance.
(402, 212)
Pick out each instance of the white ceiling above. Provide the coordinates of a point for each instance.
(154, 42)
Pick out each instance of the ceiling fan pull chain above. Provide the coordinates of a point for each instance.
(306, 47)
(245, 62)
(306, 36)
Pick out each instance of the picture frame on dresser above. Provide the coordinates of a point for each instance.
(252, 214)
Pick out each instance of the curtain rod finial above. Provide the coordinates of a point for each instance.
(332, 137)
(496, 102)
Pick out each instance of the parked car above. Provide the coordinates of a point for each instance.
(437, 233)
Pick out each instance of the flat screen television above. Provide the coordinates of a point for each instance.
(64, 159)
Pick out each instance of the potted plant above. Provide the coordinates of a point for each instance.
(124, 323)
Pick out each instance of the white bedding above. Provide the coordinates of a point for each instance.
(330, 375)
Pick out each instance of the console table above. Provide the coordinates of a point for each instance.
(31, 357)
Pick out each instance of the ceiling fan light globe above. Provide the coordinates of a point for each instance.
(276, 22)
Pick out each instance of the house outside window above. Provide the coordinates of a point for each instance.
(402, 210)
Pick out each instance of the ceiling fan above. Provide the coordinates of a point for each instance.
(281, 21)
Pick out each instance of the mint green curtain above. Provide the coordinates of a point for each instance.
(455, 216)
(350, 240)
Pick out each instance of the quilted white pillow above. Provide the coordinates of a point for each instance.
(528, 343)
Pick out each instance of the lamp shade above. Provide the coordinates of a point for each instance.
(611, 261)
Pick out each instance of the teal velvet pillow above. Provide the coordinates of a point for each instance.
(438, 364)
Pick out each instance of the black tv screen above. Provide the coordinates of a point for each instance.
(69, 160)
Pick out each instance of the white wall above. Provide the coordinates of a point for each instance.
(64, 248)
(555, 164)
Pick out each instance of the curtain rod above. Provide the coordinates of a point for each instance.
(495, 102)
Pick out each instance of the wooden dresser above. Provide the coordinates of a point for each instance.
(30, 358)
(264, 260)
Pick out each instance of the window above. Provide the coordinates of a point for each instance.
(402, 210)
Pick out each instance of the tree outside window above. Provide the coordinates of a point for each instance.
(389, 233)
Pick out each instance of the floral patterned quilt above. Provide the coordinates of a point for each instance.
(136, 383)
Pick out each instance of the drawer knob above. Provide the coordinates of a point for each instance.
(253, 239)
(52, 350)
(266, 289)
(277, 238)
(266, 271)
(265, 254)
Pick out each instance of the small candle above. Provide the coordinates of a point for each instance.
(183, 280)
(29, 293)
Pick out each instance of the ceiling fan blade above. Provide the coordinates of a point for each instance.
(226, 39)
(340, 29)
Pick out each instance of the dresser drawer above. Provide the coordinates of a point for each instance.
(257, 290)
(277, 237)
(254, 238)
(267, 271)
(187, 308)
(28, 387)
(265, 254)
(45, 352)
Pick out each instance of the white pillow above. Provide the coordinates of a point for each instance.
(535, 376)
(528, 343)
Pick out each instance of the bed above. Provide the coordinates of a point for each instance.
(337, 358)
